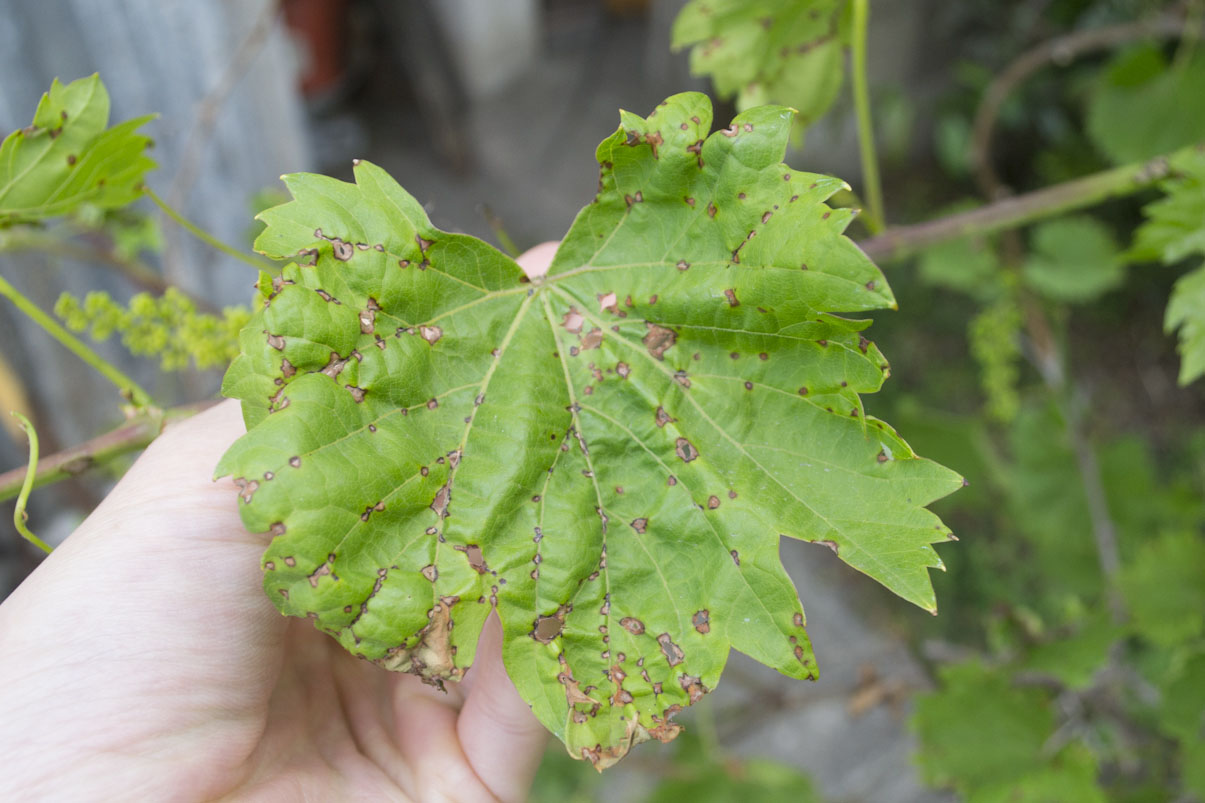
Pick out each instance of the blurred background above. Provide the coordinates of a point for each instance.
(1057, 400)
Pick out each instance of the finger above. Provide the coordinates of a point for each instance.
(535, 261)
(502, 739)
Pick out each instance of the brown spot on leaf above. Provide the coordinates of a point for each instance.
(476, 560)
(831, 545)
(654, 140)
(430, 572)
(693, 687)
(430, 333)
(682, 378)
(711, 209)
(334, 365)
(432, 403)
(736, 556)
(608, 302)
(295, 462)
(663, 417)
(634, 199)
(702, 621)
(798, 619)
(593, 339)
(342, 250)
(713, 502)
(246, 488)
(673, 653)
(659, 339)
(440, 503)
(276, 341)
(277, 529)
(623, 369)
(322, 571)
(573, 321)
(548, 628)
(356, 393)
(632, 625)
(730, 294)
(685, 450)
(640, 525)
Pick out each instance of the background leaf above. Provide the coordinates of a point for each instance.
(68, 156)
(1073, 259)
(608, 455)
(1141, 107)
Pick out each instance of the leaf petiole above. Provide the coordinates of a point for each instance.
(204, 236)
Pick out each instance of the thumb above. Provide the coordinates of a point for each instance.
(501, 737)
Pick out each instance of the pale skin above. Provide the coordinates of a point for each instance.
(142, 661)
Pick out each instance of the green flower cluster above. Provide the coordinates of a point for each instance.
(993, 335)
(169, 327)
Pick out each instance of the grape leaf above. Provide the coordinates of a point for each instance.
(1175, 230)
(1142, 107)
(1175, 225)
(1165, 587)
(1073, 259)
(1186, 312)
(607, 454)
(986, 738)
(768, 51)
(69, 156)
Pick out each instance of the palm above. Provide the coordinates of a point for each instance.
(145, 646)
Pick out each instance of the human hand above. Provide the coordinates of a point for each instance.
(142, 661)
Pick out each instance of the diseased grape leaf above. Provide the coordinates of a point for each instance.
(608, 455)
(69, 156)
(768, 51)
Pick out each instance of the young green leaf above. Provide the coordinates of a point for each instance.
(1175, 230)
(607, 455)
(1074, 260)
(987, 738)
(1142, 107)
(69, 157)
(768, 51)
(1175, 225)
(1186, 312)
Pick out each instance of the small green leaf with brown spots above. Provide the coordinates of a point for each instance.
(69, 156)
(607, 455)
(768, 51)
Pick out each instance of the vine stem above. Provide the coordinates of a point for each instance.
(133, 435)
(202, 235)
(1021, 210)
(1060, 50)
(135, 271)
(19, 514)
(128, 387)
(874, 220)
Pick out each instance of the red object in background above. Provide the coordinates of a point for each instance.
(319, 26)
